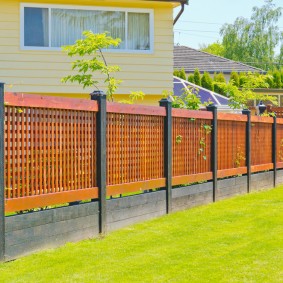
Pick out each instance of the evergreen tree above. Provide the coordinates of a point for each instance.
(206, 81)
(197, 77)
(277, 79)
(235, 77)
(176, 73)
(182, 74)
(269, 80)
(242, 79)
(221, 79)
(191, 78)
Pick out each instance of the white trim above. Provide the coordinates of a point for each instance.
(94, 8)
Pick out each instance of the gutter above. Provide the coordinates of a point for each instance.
(181, 11)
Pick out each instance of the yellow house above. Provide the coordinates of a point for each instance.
(31, 34)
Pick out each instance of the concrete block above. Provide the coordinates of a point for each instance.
(226, 183)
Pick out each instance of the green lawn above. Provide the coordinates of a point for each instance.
(237, 240)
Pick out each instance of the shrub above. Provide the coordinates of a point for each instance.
(176, 73)
(206, 81)
(197, 77)
(277, 83)
(182, 74)
(191, 78)
(242, 79)
(220, 79)
(269, 80)
(235, 77)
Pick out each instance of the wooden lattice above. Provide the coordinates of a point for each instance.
(134, 148)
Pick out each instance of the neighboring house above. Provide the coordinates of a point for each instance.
(191, 59)
(31, 60)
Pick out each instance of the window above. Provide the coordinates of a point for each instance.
(53, 26)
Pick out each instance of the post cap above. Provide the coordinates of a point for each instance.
(165, 101)
(97, 93)
(211, 107)
(246, 111)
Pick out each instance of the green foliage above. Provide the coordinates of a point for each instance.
(269, 81)
(179, 139)
(219, 78)
(254, 40)
(197, 77)
(188, 100)
(133, 97)
(191, 78)
(235, 78)
(240, 157)
(90, 50)
(277, 83)
(182, 74)
(215, 48)
(176, 73)
(206, 81)
(242, 79)
(240, 97)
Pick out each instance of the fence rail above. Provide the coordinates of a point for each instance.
(50, 148)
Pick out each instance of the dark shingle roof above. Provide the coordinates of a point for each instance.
(191, 59)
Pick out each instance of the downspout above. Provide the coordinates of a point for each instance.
(180, 13)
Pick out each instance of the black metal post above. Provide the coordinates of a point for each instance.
(168, 151)
(248, 147)
(214, 150)
(100, 97)
(274, 150)
(2, 185)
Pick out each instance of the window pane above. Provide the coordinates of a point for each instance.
(36, 27)
(67, 25)
(138, 31)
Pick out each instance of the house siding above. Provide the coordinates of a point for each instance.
(41, 71)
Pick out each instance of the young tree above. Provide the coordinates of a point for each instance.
(92, 61)
(197, 77)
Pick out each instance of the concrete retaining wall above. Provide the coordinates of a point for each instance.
(35, 231)
(27, 233)
(129, 210)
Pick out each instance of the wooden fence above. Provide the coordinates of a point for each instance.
(51, 148)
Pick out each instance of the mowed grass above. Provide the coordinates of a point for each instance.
(236, 240)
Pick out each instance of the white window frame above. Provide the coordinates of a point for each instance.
(94, 8)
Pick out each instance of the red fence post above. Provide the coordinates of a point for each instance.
(2, 185)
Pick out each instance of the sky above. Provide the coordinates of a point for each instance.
(202, 19)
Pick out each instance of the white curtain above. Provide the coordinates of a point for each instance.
(138, 31)
(45, 27)
(67, 25)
